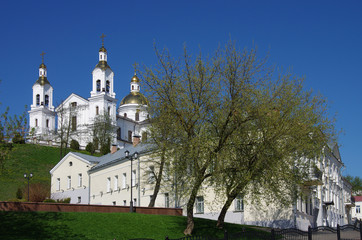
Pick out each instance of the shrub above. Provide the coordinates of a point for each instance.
(90, 148)
(49, 200)
(19, 194)
(65, 200)
(18, 139)
(38, 192)
(105, 148)
(74, 144)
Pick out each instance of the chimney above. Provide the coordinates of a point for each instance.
(113, 148)
(136, 140)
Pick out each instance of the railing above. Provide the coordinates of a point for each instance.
(314, 177)
(346, 232)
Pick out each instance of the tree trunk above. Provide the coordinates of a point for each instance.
(221, 218)
(158, 180)
(191, 202)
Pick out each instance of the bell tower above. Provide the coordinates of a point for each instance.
(42, 114)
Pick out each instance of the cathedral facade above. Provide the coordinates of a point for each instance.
(76, 115)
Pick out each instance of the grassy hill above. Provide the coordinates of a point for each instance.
(49, 225)
(27, 158)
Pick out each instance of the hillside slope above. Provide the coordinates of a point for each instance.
(27, 158)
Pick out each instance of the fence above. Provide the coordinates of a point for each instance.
(347, 232)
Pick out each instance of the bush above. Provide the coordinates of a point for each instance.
(19, 194)
(18, 139)
(90, 148)
(105, 148)
(49, 200)
(65, 200)
(74, 144)
(38, 192)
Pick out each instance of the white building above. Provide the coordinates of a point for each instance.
(78, 113)
(106, 180)
(356, 210)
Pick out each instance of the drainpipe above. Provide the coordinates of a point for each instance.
(139, 183)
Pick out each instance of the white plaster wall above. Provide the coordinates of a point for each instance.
(63, 171)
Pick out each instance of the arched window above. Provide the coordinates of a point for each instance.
(125, 114)
(98, 85)
(107, 86)
(97, 110)
(137, 116)
(132, 87)
(109, 111)
(46, 100)
(47, 123)
(37, 99)
(36, 122)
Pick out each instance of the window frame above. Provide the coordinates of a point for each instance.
(200, 205)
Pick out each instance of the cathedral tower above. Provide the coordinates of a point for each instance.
(41, 114)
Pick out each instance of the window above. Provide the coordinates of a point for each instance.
(79, 180)
(124, 203)
(58, 184)
(107, 86)
(114, 203)
(119, 134)
(130, 136)
(200, 204)
(97, 110)
(124, 180)
(167, 200)
(74, 123)
(37, 99)
(73, 104)
(132, 87)
(358, 208)
(109, 111)
(70, 164)
(98, 83)
(115, 183)
(36, 122)
(108, 184)
(239, 205)
(46, 100)
(69, 182)
(79, 199)
(47, 123)
(137, 116)
(133, 178)
(135, 202)
(151, 174)
(125, 114)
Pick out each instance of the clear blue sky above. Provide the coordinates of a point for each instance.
(320, 40)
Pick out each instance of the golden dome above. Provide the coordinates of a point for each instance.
(42, 66)
(42, 81)
(135, 79)
(134, 98)
(103, 49)
(103, 65)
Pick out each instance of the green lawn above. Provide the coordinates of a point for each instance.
(27, 158)
(66, 225)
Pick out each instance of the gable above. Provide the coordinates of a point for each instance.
(73, 98)
(70, 157)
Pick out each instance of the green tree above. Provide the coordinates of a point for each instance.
(230, 121)
(356, 183)
(103, 130)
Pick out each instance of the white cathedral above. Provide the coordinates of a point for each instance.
(77, 113)
(111, 179)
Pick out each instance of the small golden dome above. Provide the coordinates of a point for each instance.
(103, 65)
(134, 98)
(135, 79)
(42, 66)
(103, 49)
(42, 80)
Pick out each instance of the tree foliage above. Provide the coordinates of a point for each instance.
(233, 121)
(103, 130)
(356, 183)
